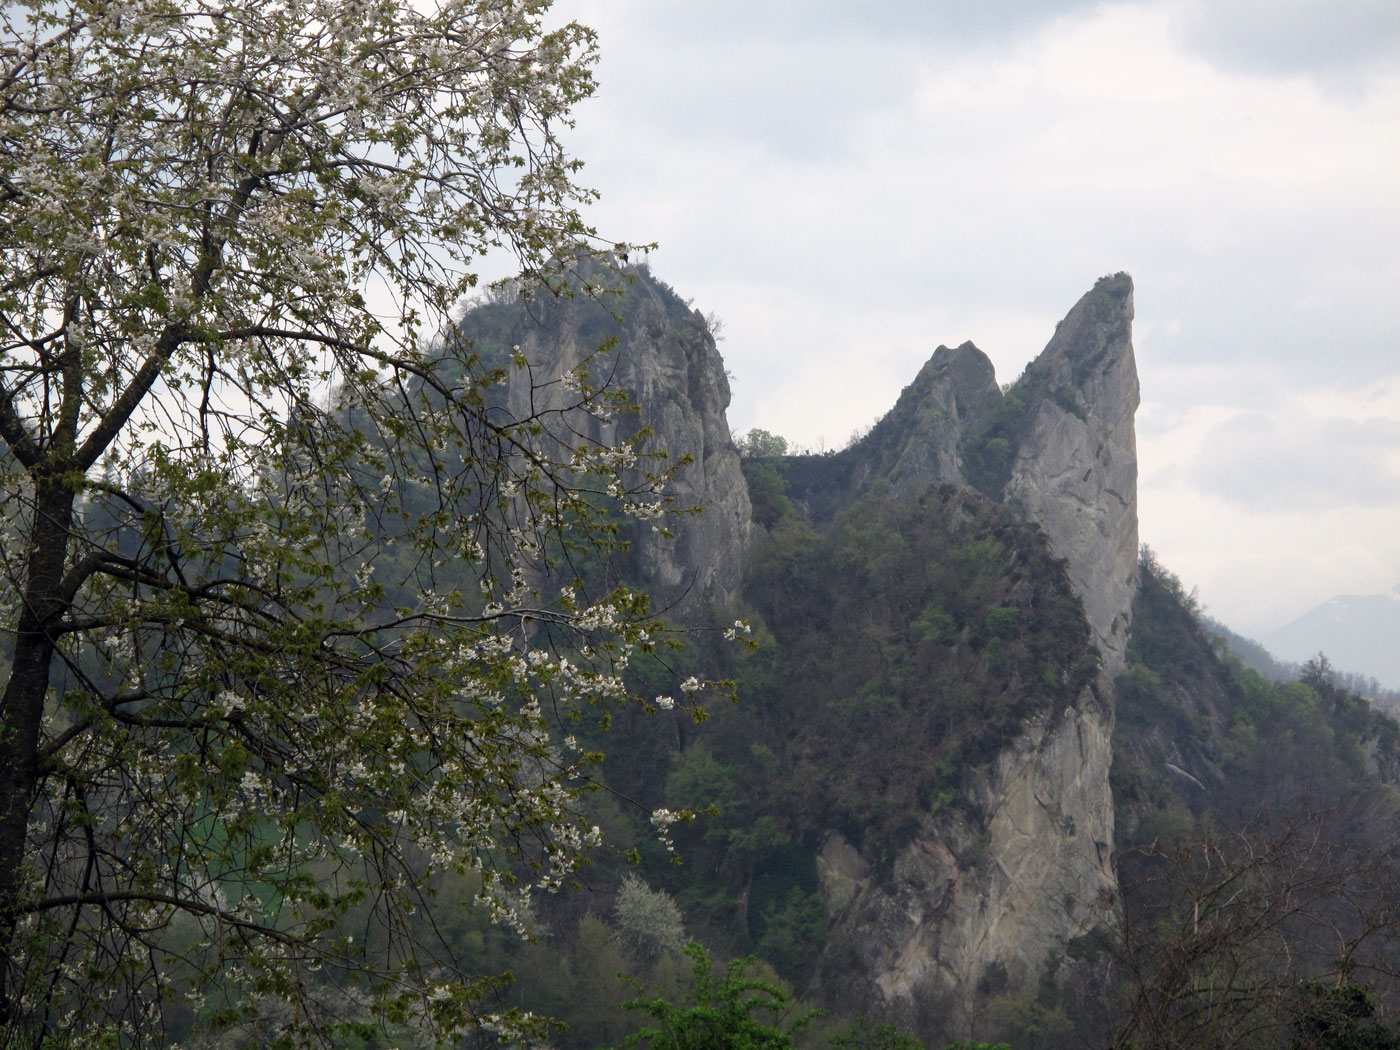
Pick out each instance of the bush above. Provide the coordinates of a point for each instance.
(720, 1013)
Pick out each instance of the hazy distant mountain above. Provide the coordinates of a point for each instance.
(1358, 632)
(1257, 658)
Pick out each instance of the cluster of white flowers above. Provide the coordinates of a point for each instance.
(647, 510)
(228, 702)
(661, 820)
(618, 458)
(573, 380)
(600, 617)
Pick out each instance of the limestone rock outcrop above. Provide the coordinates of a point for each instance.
(963, 903)
(920, 441)
(664, 358)
(1058, 448)
(1075, 472)
(1059, 445)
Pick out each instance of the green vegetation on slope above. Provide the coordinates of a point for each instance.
(902, 645)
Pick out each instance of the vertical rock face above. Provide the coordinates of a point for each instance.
(1075, 472)
(1059, 445)
(665, 359)
(937, 927)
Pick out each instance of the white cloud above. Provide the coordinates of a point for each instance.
(1257, 572)
(1283, 461)
(1275, 501)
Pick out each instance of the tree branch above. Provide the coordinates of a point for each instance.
(120, 412)
(12, 429)
(102, 899)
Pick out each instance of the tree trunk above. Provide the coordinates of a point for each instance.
(22, 707)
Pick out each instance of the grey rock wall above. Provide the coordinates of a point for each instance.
(921, 440)
(665, 359)
(961, 903)
(964, 903)
(1060, 446)
(1075, 472)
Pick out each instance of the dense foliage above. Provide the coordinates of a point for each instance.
(1249, 744)
(733, 1011)
(900, 646)
(911, 640)
(1257, 827)
(288, 659)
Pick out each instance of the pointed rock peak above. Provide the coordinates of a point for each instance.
(963, 376)
(1067, 451)
(968, 373)
(964, 351)
(918, 442)
(1118, 286)
(630, 329)
(1098, 328)
(1086, 369)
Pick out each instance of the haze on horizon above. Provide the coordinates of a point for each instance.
(848, 188)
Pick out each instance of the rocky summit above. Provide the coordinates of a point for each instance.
(1074, 471)
(661, 354)
(1057, 448)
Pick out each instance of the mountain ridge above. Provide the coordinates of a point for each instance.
(1023, 863)
(973, 694)
(1355, 631)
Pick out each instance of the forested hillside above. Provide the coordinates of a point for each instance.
(904, 640)
(900, 644)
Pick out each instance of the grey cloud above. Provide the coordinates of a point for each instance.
(1311, 36)
(1300, 463)
(931, 21)
(796, 75)
(797, 100)
(1329, 349)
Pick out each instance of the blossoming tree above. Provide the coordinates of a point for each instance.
(282, 643)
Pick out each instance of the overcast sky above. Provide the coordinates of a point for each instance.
(848, 185)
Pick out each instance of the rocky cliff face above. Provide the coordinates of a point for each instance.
(664, 359)
(986, 891)
(938, 928)
(922, 439)
(1058, 448)
(1075, 472)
